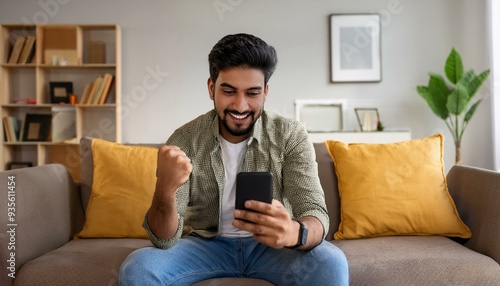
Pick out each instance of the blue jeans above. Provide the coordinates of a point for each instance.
(195, 259)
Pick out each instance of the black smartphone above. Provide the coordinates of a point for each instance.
(253, 186)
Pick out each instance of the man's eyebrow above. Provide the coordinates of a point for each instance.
(255, 88)
(227, 85)
(224, 84)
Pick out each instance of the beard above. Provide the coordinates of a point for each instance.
(239, 130)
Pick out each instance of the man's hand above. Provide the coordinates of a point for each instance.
(270, 223)
(173, 170)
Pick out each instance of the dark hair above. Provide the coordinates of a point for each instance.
(242, 50)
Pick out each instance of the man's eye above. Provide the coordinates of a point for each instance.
(228, 91)
(256, 93)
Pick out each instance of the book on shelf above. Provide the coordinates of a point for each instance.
(96, 92)
(7, 130)
(108, 80)
(16, 50)
(95, 89)
(11, 129)
(27, 51)
(86, 92)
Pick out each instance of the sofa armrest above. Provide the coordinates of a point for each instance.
(476, 193)
(45, 208)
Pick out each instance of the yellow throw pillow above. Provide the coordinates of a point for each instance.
(394, 189)
(123, 187)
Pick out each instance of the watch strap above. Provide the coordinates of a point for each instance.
(302, 236)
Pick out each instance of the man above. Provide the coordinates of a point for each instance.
(192, 220)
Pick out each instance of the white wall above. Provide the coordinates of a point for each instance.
(175, 37)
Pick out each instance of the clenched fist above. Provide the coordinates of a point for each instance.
(174, 168)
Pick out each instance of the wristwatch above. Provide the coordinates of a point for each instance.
(302, 235)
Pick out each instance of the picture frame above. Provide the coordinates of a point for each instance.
(355, 48)
(319, 115)
(37, 127)
(368, 119)
(18, 165)
(60, 91)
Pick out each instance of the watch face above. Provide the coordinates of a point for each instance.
(303, 236)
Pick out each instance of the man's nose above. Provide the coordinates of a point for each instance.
(240, 103)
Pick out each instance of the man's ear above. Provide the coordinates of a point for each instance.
(210, 86)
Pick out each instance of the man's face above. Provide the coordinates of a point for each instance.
(239, 95)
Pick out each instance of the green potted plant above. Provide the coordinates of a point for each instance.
(454, 101)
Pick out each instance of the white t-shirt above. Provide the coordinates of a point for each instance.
(232, 157)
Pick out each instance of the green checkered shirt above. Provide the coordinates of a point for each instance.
(277, 144)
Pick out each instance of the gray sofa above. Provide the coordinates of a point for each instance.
(49, 210)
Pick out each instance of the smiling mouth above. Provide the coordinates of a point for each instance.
(239, 116)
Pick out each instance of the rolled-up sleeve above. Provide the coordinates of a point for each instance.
(159, 242)
(302, 186)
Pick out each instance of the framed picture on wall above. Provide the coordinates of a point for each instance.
(355, 51)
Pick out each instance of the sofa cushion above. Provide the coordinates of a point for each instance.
(47, 211)
(80, 262)
(394, 189)
(87, 166)
(123, 185)
(416, 260)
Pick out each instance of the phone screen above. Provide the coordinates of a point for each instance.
(253, 186)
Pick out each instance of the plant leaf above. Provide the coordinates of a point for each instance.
(471, 111)
(454, 68)
(436, 104)
(476, 82)
(467, 78)
(458, 100)
(438, 87)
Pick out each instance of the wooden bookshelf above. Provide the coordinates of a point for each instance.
(61, 53)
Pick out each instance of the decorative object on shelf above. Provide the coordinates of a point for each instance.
(380, 126)
(355, 49)
(37, 127)
(454, 102)
(60, 91)
(63, 62)
(368, 119)
(321, 115)
(63, 123)
(97, 52)
(18, 165)
(25, 101)
(72, 99)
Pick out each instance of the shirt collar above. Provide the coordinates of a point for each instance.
(257, 129)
